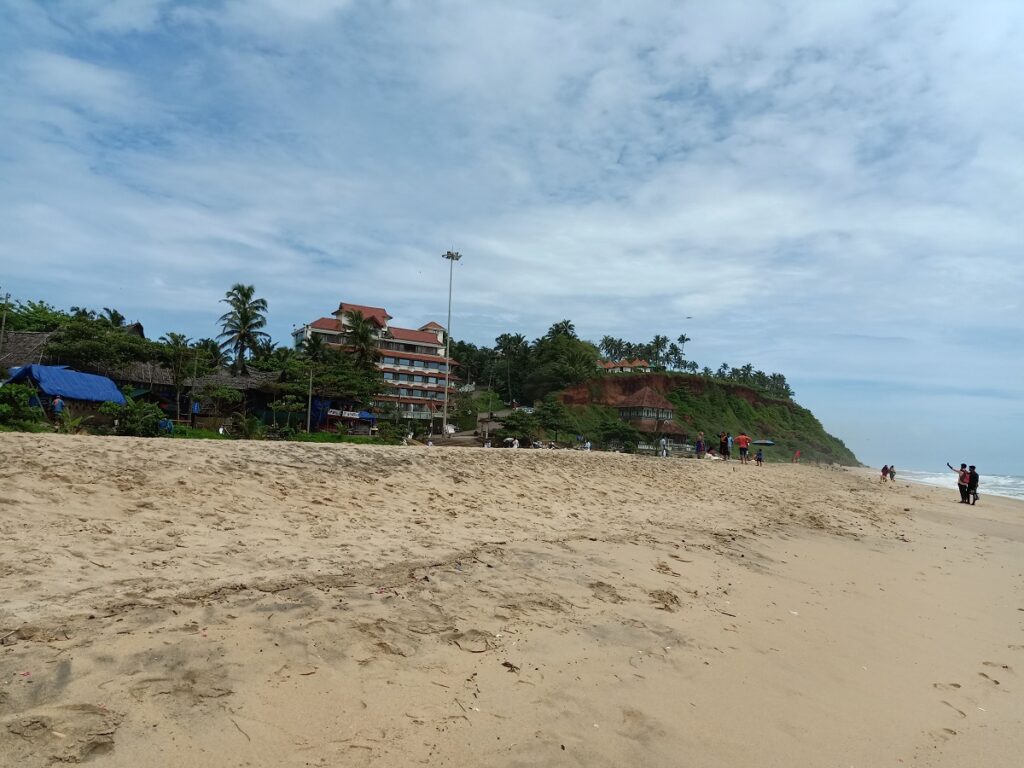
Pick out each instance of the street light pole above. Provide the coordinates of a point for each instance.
(452, 257)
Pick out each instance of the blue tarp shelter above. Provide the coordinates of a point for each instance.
(60, 380)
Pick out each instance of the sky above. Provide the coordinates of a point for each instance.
(828, 190)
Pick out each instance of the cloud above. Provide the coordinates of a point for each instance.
(802, 179)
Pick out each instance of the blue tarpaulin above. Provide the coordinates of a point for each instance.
(60, 380)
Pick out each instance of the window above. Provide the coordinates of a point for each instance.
(404, 361)
(419, 363)
(389, 376)
(389, 360)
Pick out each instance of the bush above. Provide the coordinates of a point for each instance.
(135, 418)
(15, 405)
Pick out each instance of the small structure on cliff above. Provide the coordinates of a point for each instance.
(650, 413)
(624, 366)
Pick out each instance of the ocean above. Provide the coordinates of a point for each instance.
(1011, 486)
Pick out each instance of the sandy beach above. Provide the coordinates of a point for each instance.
(208, 604)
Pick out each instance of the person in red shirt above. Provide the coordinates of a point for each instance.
(744, 443)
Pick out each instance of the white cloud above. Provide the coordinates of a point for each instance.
(777, 171)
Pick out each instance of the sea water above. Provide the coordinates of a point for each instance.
(996, 485)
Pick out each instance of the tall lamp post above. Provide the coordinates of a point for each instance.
(452, 257)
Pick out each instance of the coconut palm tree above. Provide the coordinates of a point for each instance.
(243, 323)
(113, 317)
(562, 328)
(683, 338)
(178, 357)
(313, 348)
(362, 340)
(210, 349)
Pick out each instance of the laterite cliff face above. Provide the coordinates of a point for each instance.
(612, 389)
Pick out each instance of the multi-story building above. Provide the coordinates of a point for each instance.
(411, 360)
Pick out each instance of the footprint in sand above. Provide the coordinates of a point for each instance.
(605, 592)
(990, 679)
(1007, 667)
(942, 734)
(958, 711)
(946, 686)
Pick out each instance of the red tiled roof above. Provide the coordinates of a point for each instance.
(379, 315)
(432, 326)
(326, 324)
(408, 334)
(646, 398)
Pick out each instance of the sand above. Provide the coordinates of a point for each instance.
(180, 603)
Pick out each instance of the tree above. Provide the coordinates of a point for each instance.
(553, 416)
(362, 340)
(213, 355)
(313, 348)
(94, 345)
(35, 316)
(242, 324)
(264, 348)
(562, 328)
(183, 360)
(674, 357)
(681, 341)
(113, 317)
(657, 348)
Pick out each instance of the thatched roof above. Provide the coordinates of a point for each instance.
(22, 348)
(153, 374)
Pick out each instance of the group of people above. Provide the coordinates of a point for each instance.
(726, 442)
(889, 473)
(966, 482)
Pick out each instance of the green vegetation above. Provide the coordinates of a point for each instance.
(135, 418)
(15, 408)
(714, 407)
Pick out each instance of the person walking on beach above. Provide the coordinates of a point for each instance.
(663, 448)
(796, 457)
(892, 473)
(744, 443)
(759, 457)
(701, 447)
(885, 473)
(972, 484)
(963, 479)
(723, 445)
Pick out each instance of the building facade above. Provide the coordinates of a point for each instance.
(411, 360)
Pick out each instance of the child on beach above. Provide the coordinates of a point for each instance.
(759, 457)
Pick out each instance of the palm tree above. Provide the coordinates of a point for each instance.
(362, 340)
(113, 317)
(211, 350)
(683, 338)
(313, 348)
(264, 348)
(562, 328)
(243, 323)
(674, 357)
(657, 347)
(178, 357)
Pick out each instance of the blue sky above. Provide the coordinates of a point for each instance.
(830, 190)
